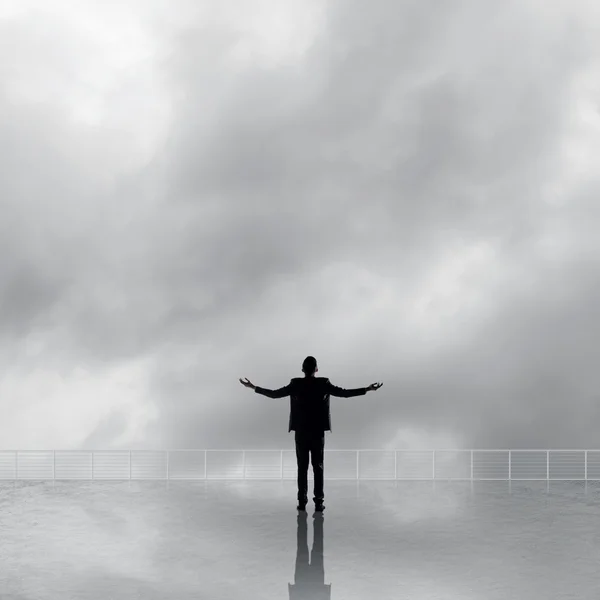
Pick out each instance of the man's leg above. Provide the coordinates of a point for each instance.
(317, 454)
(302, 458)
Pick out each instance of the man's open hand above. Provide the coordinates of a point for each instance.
(374, 386)
(247, 383)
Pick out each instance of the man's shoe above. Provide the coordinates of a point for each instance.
(301, 506)
(319, 507)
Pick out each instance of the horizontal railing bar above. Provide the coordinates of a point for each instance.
(327, 450)
(293, 478)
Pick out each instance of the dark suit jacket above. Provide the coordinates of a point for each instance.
(309, 401)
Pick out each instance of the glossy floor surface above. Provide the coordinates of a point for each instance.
(246, 540)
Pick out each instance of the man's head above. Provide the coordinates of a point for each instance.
(309, 366)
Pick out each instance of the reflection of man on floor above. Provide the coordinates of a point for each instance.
(309, 579)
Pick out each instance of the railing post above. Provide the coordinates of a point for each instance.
(16, 464)
(586, 465)
(433, 471)
(244, 463)
(205, 470)
(357, 455)
(395, 465)
(509, 465)
(130, 465)
(92, 465)
(281, 463)
(547, 465)
(167, 465)
(53, 465)
(471, 465)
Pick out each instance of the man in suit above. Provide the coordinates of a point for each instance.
(310, 418)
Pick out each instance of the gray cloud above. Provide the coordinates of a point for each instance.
(315, 206)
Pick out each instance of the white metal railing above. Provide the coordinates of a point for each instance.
(472, 465)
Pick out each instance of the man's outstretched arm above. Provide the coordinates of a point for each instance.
(280, 393)
(339, 392)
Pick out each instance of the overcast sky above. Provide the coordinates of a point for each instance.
(193, 192)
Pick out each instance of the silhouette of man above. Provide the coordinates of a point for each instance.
(310, 418)
(309, 579)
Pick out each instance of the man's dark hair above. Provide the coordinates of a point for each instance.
(309, 366)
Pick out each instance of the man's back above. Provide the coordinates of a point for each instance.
(311, 387)
(321, 386)
(309, 402)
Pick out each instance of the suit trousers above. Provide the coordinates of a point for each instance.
(310, 443)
